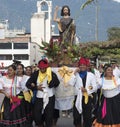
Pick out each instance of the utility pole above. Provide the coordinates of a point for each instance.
(96, 26)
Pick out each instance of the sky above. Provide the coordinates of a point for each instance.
(117, 1)
(19, 13)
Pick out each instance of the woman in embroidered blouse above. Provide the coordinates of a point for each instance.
(13, 107)
(109, 110)
(22, 79)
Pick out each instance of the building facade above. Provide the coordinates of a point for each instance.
(18, 48)
(17, 45)
(41, 28)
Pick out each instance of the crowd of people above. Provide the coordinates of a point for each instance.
(38, 96)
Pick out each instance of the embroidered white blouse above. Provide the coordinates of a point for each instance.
(6, 84)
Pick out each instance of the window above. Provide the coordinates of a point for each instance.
(20, 46)
(5, 57)
(21, 57)
(5, 45)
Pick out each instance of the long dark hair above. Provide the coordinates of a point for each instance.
(62, 11)
(106, 66)
(22, 67)
(12, 66)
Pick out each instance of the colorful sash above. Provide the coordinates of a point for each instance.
(47, 74)
(15, 100)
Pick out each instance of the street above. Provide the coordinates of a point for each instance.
(65, 121)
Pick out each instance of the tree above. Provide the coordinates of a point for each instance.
(113, 33)
(87, 3)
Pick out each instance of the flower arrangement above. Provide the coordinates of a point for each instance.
(60, 53)
(69, 54)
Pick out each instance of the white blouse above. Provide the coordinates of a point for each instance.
(7, 84)
(110, 88)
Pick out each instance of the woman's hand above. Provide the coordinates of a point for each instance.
(7, 95)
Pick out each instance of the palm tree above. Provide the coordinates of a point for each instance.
(87, 3)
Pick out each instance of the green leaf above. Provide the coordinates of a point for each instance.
(86, 3)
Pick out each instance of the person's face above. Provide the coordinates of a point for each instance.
(88, 68)
(11, 72)
(28, 71)
(83, 67)
(19, 70)
(65, 11)
(109, 72)
(113, 65)
(43, 70)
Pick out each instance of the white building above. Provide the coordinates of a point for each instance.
(6, 32)
(41, 22)
(17, 45)
(19, 48)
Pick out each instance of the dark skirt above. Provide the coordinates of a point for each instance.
(112, 117)
(16, 118)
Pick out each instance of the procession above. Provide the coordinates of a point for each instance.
(80, 93)
(40, 96)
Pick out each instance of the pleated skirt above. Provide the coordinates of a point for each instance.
(19, 117)
(111, 117)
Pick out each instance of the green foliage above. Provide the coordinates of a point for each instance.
(113, 33)
(51, 51)
(57, 53)
(86, 3)
(111, 52)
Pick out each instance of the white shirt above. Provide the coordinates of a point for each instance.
(116, 72)
(49, 91)
(110, 88)
(6, 84)
(90, 82)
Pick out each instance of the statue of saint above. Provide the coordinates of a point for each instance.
(66, 25)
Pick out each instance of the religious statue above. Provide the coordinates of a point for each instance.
(66, 26)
